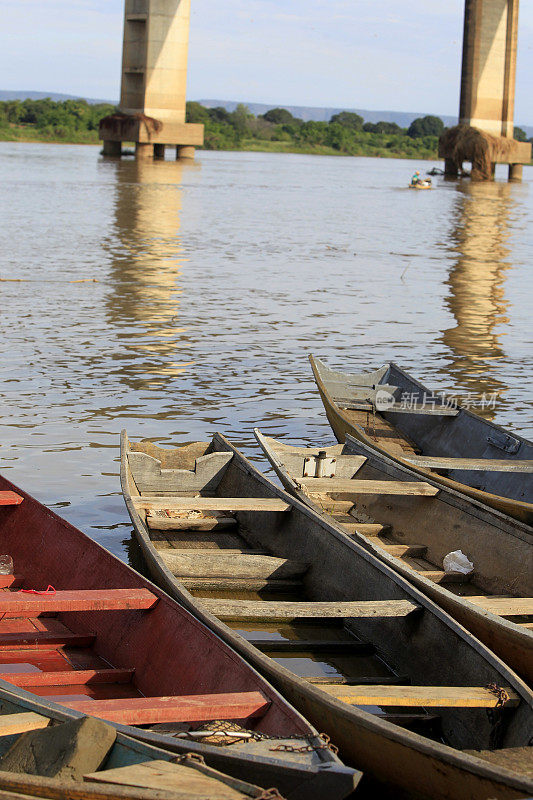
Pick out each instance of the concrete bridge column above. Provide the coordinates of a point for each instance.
(485, 135)
(489, 66)
(154, 78)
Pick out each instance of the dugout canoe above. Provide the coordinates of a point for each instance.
(431, 433)
(396, 683)
(106, 642)
(412, 524)
(56, 763)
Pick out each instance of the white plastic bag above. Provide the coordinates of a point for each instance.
(456, 561)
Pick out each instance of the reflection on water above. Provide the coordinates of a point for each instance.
(147, 262)
(213, 282)
(480, 239)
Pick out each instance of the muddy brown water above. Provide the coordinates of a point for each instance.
(179, 300)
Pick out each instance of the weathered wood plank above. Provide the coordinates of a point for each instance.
(350, 404)
(483, 464)
(242, 584)
(10, 499)
(284, 610)
(366, 528)
(149, 476)
(164, 523)
(402, 550)
(183, 781)
(441, 577)
(211, 503)
(10, 581)
(429, 696)
(79, 600)
(505, 606)
(220, 564)
(45, 640)
(185, 708)
(358, 486)
(11, 724)
(73, 677)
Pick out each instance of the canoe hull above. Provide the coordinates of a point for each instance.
(342, 425)
(388, 753)
(511, 642)
(156, 642)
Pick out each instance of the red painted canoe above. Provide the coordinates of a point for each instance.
(80, 628)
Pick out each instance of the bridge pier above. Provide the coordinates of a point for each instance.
(488, 89)
(154, 76)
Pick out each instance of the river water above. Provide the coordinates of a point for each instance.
(178, 300)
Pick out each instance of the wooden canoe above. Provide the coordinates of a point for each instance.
(395, 682)
(413, 531)
(106, 642)
(129, 770)
(471, 454)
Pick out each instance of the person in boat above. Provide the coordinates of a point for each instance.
(415, 180)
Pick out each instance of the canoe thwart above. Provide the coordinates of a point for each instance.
(358, 486)
(285, 610)
(154, 503)
(483, 464)
(10, 499)
(11, 724)
(504, 606)
(184, 708)
(79, 600)
(72, 677)
(429, 696)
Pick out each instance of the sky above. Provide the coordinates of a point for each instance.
(374, 54)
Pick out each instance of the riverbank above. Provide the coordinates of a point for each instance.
(28, 134)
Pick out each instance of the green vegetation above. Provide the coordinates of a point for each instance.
(278, 131)
(346, 133)
(47, 121)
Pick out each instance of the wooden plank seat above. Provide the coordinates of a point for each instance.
(358, 486)
(45, 640)
(483, 464)
(242, 584)
(86, 600)
(155, 503)
(179, 781)
(11, 724)
(185, 708)
(505, 606)
(73, 677)
(287, 610)
(366, 528)
(163, 522)
(219, 564)
(441, 577)
(10, 499)
(403, 550)
(11, 581)
(428, 696)
(349, 404)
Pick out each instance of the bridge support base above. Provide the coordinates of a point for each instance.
(112, 149)
(451, 168)
(515, 172)
(185, 151)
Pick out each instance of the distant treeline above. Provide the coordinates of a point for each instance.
(50, 121)
(346, 133)
(277, 130)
